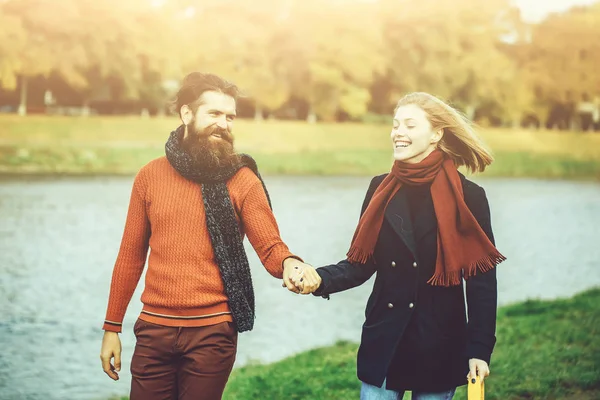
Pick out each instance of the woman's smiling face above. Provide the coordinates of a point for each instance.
(413, 137)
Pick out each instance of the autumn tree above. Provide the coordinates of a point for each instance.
(84, 42)
(247, 49)
(336, 53)
(40, 38)
(560, 57)
(449, 48)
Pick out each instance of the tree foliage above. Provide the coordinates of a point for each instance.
(336, 56)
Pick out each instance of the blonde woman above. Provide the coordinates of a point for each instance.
(423, 228)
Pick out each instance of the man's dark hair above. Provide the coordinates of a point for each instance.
(196, 83)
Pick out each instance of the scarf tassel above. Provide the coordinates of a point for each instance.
(452, 279)
(358, 255)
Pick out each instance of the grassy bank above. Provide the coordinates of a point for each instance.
(545, 350)
(121, 145)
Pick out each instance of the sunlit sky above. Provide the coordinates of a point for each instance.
(536, 10)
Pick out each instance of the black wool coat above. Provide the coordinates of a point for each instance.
(415, 335)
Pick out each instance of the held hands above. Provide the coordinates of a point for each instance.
(299, 277)
(477, 368)
(111, 347)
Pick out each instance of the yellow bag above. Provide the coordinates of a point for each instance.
(476, 391)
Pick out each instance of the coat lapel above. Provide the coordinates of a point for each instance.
(397, 213)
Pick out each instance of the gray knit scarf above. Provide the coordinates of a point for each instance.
(222, 226)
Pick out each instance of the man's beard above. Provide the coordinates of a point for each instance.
(210, 153)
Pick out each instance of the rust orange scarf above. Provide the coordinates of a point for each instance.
(462, 246)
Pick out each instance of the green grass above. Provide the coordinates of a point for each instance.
(121, 145)
(545, 350)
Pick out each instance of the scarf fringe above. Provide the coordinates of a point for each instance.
(485, 264)
(482, 265)
(358, 255)
(444, 279)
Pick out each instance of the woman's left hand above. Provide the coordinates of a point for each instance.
(477, 367)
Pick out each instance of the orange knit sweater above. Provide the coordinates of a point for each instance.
(183, 284)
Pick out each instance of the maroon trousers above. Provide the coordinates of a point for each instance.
(182, 363)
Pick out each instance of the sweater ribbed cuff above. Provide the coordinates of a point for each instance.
(292, 256)
(111, 326)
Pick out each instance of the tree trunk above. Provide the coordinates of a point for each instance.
(312, 117)
(258, 113)
(572, 124)
(85, 110)
(23, 104)
(515, 122)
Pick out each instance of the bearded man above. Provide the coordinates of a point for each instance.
(192, 208)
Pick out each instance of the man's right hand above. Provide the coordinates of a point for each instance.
(111, 347)
(300, 277)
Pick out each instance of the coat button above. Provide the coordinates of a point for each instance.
(390, 305)
(411, 305)
(415, 264)
(393, 263)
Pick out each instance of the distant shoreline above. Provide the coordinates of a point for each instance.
(126, 162)
(117, 146)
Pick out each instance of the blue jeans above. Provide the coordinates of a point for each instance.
(370, 392)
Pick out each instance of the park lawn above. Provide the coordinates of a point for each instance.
(545, 350)
(121, 145)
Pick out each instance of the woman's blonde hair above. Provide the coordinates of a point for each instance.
(460, 141)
